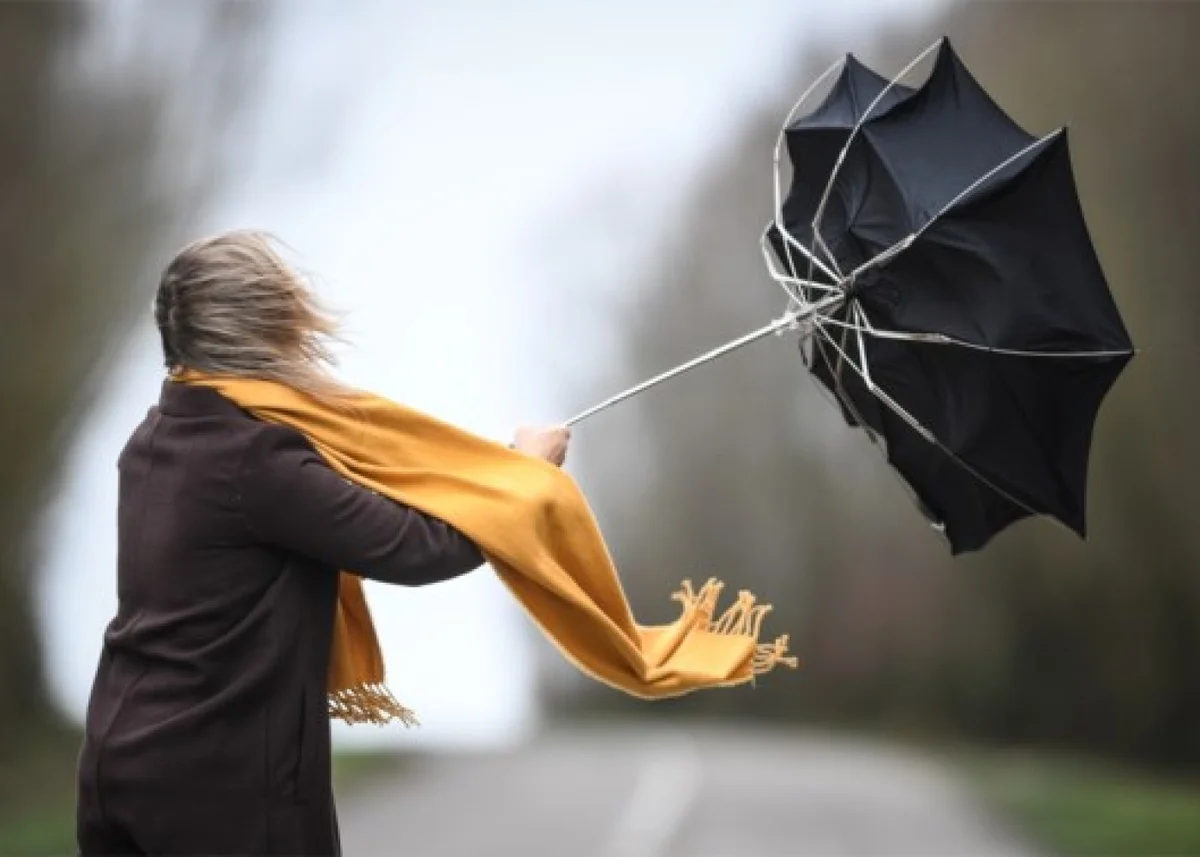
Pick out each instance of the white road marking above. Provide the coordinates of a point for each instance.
(667, 783)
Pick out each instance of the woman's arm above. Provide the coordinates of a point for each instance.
(292, 499)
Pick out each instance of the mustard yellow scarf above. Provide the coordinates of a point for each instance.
(536, 530)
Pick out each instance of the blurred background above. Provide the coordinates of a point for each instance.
(548, 201)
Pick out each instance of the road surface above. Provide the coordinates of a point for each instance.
(677, 792)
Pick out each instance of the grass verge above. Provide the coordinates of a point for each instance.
(37, 795)
(1081, 808)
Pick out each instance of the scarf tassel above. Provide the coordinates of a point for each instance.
(369, 703)
(742, 618)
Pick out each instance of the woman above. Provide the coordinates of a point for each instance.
(207, 730)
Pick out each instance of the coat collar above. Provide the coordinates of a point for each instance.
(191, 400)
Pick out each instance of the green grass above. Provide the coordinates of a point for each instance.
(37, 795)
(40, 831)
(1073, 807)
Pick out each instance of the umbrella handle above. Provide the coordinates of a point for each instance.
(789, 319)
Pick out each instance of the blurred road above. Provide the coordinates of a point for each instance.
(655, 792)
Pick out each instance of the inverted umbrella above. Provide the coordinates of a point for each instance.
(940, 272)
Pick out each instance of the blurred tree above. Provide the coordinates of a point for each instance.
(753, 477)
(1100, 636)
(112, 121)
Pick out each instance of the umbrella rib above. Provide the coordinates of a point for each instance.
(837, 377)
(942, 339)
(783, 130)
(875, 439)
(778, 277)
(819, 215)
(882, 395)
(916, 425)
(906, 242)
(856, 308)
(819, 242)
(983, 178)
(789, 240)
(839, 390)
(785, 282)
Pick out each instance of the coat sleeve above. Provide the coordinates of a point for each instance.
(292, 499)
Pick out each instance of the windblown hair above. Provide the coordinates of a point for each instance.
(231, 305)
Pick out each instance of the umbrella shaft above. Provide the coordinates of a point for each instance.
(753, 336)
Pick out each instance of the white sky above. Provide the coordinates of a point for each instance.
(421, 157)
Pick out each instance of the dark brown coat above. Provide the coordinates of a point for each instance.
(207, 731)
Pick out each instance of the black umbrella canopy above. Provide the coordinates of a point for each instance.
(980, 348)
(814, 143)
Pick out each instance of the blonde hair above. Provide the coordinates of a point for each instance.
(232, 305)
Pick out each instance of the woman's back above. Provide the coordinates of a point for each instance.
(211, 687)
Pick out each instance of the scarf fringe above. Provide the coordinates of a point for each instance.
(369, 703)
(742, 618)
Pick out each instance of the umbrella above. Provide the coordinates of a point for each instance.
(938, 266)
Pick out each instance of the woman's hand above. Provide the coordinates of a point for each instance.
(549, 443)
